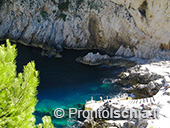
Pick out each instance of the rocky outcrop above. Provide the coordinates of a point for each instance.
(146, 79)
(127, 28)
(98, 59)
(93, 59)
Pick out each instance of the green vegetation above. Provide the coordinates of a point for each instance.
(79, 2)
(18, 92)
(54, 11)
(1, 3)
(63, 16)
(44, 14)
(64, 6)
(38, 20)
(31, 4)
(92, 4)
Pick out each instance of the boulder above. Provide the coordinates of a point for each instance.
(167, 79)
(93, 59)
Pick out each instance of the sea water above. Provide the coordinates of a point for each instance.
(65, 83)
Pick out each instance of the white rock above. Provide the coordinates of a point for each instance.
(167, 79)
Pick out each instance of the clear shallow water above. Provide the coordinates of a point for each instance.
(65, 83)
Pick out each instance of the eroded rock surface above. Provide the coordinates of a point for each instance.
(127, 28)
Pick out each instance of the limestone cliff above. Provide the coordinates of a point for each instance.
(121, 27)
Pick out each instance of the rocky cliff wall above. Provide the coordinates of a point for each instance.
(122, 27)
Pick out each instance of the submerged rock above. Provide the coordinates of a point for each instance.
(50, 52)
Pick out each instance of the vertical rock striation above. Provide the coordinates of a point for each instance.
(122, 27)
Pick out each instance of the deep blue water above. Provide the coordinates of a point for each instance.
(65, 83)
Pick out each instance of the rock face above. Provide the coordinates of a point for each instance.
(152, 18)
(127, 28)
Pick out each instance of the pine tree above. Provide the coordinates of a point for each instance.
(18, 92)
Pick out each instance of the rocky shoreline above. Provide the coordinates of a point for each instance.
(146, 78)
(127, 28)
(144, 75)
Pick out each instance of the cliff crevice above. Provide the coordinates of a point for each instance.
(122, 27)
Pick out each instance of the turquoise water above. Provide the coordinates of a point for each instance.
(65, 83)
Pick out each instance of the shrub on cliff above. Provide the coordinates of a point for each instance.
(18, 92)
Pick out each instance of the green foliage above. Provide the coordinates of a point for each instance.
(31, 4)
(38, 20)
(44, 14)
(46, 123)
(64, 6)
(63, 16)
(92, 4)
(1, 3)
(79, 2)
(54, 11)
(17, 92)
